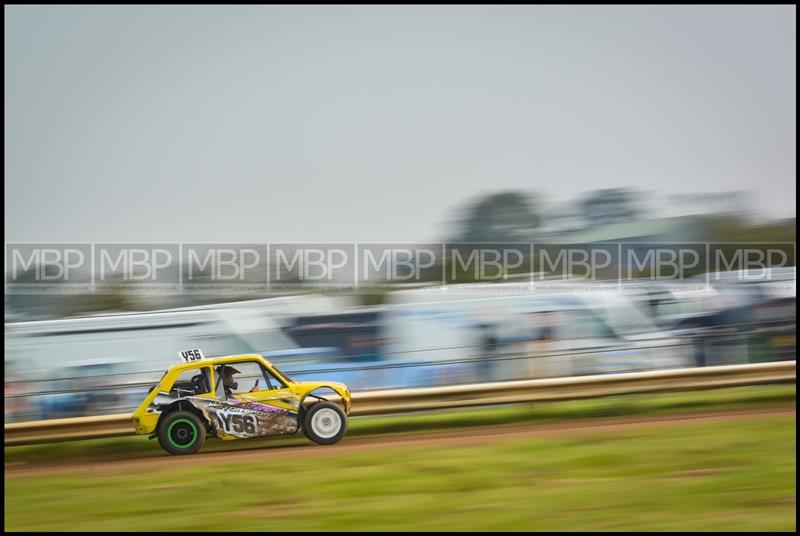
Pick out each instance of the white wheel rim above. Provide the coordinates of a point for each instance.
(326, 423)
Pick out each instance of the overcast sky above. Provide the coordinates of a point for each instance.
(271, 123)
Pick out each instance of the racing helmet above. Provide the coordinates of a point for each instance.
(226, 372)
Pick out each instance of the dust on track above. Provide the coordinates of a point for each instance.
(452, 437)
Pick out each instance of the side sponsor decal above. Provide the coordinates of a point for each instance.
(246, 419)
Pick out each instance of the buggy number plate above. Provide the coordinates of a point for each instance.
(191, 355)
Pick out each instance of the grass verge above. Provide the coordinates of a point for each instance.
(716, 475)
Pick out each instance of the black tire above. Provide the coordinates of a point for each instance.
(320, 423)
(181, 432)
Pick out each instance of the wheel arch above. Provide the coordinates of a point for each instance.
(184, 405)
(317, 393)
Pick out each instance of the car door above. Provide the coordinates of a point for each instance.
(259, 405)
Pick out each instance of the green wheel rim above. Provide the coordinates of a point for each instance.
(188, 429)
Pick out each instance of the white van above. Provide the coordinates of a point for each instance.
(138, 348)
(526, 332)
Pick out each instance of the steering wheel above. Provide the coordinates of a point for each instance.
(255, 387)
(198, 384)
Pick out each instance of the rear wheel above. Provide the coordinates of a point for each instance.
(325, 423)
(181, 432)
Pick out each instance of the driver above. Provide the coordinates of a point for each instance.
(226, 372)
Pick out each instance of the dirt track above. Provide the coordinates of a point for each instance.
(461, 436)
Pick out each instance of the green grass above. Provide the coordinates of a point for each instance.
(710, 475)
(615, 406)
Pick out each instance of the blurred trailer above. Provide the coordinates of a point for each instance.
(50, 366)
(513, 331)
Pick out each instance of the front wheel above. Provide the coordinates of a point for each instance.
(181, 432)
(325, 423)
